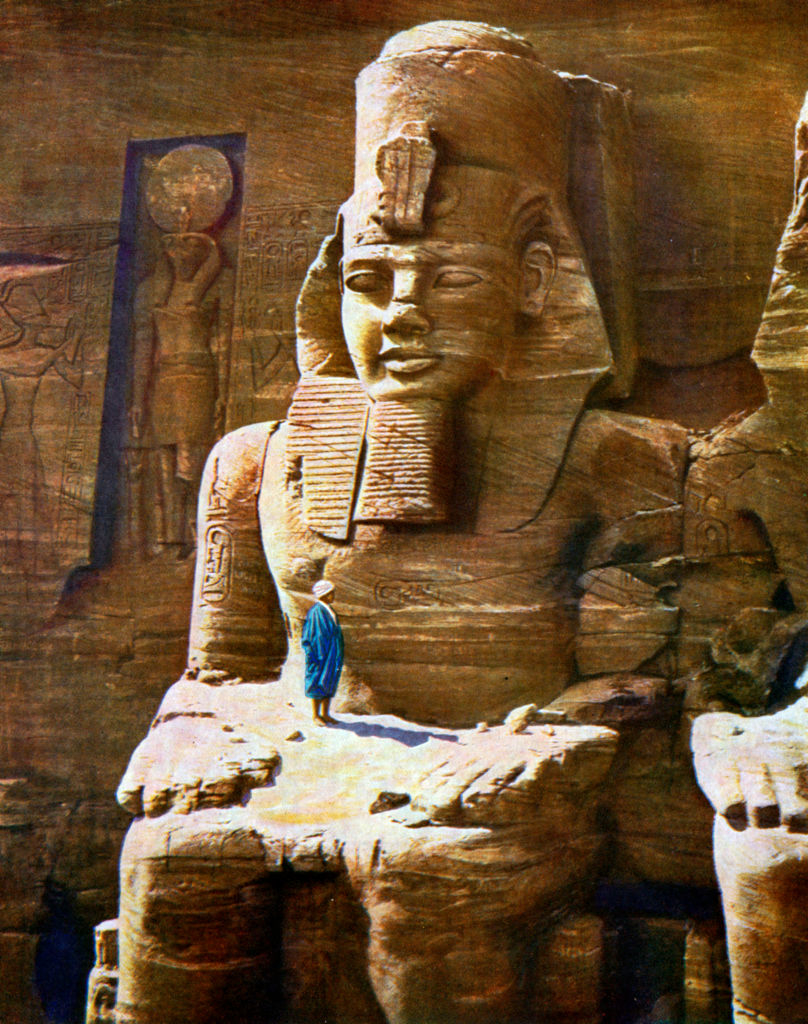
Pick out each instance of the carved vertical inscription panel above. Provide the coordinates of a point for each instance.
(278, 243)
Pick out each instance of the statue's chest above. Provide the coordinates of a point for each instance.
(439, 624)
(386, 568)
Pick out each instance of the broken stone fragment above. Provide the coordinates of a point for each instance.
(520, 718)
(213, 677)
(615, 701)
(387, 801)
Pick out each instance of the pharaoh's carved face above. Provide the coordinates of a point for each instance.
(427, 319)
(433, 319)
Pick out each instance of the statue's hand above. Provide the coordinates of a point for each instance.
(193, 761)
(754, 771)
(500, 778)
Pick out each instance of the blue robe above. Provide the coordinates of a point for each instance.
(324, 649)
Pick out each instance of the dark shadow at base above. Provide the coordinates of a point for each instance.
(409, 737)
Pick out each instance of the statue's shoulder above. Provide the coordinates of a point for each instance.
(239, 456)
(246, 442)
(608, 442)
(618, 464)
(634, 433)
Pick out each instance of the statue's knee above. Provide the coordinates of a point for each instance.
(198, 918)
(143, 861)
(192, 862)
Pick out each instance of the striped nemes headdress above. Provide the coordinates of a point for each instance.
(462, 136)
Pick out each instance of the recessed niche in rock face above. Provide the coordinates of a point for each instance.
(175, 302)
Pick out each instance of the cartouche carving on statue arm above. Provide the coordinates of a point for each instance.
(199, 751)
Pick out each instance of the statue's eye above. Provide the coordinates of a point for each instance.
(365, 281)
(456, 279)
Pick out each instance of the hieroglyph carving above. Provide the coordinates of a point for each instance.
(54, 331)
(277, 246)
(218, 564)
(58, 242)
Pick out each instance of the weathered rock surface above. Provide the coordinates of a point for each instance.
(447, 324)
(754, 770)
(481, 842)
(77, 699)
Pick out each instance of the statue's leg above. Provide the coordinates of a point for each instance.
(190, 461)
(168, 499)
(196, 924)
(764, 887)
(459, 922)
(425, 972)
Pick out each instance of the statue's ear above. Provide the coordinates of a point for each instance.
(537, 271)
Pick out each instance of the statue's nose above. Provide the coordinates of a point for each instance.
(406, 320)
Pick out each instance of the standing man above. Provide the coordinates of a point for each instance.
(324, 647)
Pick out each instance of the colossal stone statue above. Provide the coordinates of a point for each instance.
(489, 540)
(755, 770)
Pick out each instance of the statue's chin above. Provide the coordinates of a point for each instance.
(430, 380)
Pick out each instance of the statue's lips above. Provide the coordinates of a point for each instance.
(409, 361)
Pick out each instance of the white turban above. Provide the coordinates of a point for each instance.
(321, 588)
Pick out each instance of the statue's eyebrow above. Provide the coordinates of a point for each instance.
(366, 259)
(386, 254)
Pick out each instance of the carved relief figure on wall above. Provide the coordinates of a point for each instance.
(490, 538)
(38, 334)
(183, 314)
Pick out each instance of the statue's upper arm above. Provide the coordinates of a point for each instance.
(233, 592)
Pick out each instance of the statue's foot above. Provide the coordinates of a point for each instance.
(502, 831)
(501, 778)
(754, 771)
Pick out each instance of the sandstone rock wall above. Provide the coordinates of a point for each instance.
(715, 90)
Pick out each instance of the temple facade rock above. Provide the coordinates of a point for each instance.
(496, 421)
(491, 541)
